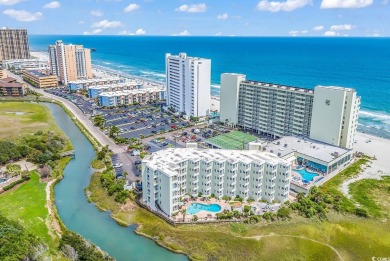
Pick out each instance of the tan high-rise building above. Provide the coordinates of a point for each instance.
(14, 44)
(70, 62)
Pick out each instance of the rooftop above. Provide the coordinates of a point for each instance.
(95, 80)
(168, 160)
(10, 82)
(285, 146)
(279, 86)
(39, 73)
(127, 92)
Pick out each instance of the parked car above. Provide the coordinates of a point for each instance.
(137, 162)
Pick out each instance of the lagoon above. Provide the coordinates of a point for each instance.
(83, 217)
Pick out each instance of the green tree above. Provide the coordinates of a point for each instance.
(114, 130)
(13, 169)
(99, 121)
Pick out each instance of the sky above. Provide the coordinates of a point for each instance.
(332, 18)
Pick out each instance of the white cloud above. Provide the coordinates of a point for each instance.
(341, 27)
(81, 22)
(106, 24)
(345, 3)
(140, 31)
(274, 6)
(184, 33)
(331, 33)
(318, 28)
(52, 5)
(385, 2)
(218, 34)
(96, 13)
(10, 2)
(196, 8)
(223, 16)
(96, 31)
(131, 7)
(304, 32)
(22, 15)
(293, 33)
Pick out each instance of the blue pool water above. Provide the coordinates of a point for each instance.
(306, 175)
(2, 180)
(196, 207)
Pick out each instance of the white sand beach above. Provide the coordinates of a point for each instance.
(375, 147)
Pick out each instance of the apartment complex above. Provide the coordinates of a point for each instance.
(188, 84)
(170, 174)
(86, 84)
(11, 87)
(70, 62)
(279, 110)
(128, 97)
(14, 44)
(40, 78)
(19, 65)
(94, 91)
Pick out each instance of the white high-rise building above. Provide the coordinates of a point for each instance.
(168, 175)
(188, 84)
(327, 114)
(335, 115)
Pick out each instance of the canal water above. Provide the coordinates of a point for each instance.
(82, 217)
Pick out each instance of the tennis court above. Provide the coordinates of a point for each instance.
(235, 140)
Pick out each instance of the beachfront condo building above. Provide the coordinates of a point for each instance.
(129, 97)
(95, 91)
(3, 73)
(188, 84)
(327, 114)
(14, 44)
(70, 62)
(17, 66)
(89, 83)
(168, 175)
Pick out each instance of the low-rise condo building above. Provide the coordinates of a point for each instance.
(279, 110)
(40, 78)
(168, 175)
(19, 65)
(128, 97)
(85, 84)
(188, 84)
(3, 73)
(11, 87)
(95, 91)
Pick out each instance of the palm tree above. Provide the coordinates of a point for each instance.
(184, 211)
(99, 120)
(114, 130)
(141, 136)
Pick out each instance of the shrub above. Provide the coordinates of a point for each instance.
(361, 212)
(247, 209)
(283, 213)
(196, 218)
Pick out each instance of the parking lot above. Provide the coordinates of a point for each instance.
(85, 105)
(141, 120)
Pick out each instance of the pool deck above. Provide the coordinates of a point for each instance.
(203, 214)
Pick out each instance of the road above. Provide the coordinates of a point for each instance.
(125, 158)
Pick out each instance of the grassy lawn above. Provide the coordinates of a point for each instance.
(353, 238)
(26, 204)
(26, 118)
(373, 195)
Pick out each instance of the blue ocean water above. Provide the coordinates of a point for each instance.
(360, 63)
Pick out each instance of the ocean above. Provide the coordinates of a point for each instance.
(360, 63)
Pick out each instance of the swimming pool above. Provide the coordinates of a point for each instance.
(2, 180)
(196, 207)
(306, 175)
